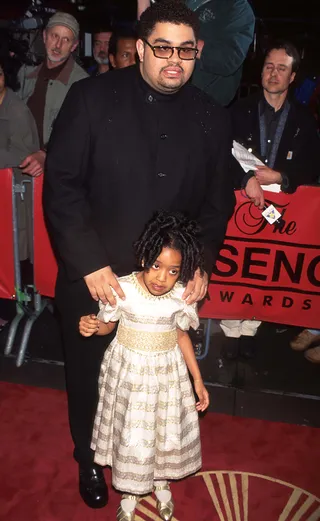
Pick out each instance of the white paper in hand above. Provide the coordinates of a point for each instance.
(249, 161)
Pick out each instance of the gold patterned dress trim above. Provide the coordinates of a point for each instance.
(146, 341)
(147, 319)
(145, 292)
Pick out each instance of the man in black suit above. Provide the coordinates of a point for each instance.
(276, 128)
(283, 134)
(125, 145)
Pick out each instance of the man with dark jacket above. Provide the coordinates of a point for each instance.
(283, 134)
(226, 29)
(124, 145)
(276, 128)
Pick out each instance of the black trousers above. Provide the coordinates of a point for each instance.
(83, 358)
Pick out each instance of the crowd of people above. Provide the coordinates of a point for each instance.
(145, 130)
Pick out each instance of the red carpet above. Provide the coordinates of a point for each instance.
(253, 470)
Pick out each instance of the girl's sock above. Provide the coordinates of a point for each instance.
(163, 496)
(128, 505)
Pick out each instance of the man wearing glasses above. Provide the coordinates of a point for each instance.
(226, 30)
(125, 145)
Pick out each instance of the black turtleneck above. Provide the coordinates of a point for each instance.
(119, 151)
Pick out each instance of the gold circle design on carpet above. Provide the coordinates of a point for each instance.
(234, 506)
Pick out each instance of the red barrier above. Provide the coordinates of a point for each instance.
(45, 265)
(262, 272)
(7, 283)
(267, 273)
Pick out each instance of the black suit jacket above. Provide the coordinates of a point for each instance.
(299, 139)
(119, 151)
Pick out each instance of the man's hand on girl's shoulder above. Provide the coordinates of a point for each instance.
(100, 284)
(196, 288)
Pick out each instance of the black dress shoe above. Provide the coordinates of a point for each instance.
(247, 346)
(230, 348)
(92, 486)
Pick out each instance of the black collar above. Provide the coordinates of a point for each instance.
(153, 96)
(265, 107)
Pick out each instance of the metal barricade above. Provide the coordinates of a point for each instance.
(29, 302)
(32, 299)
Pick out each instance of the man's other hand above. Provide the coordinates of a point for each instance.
(196, 288)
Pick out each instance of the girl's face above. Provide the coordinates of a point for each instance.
(164, 273)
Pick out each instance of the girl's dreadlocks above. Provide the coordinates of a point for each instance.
(173, 230)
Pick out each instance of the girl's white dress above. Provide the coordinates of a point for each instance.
(146, 426)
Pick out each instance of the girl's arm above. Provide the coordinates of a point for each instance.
(187, 350)
(90, 325)
(186, 347)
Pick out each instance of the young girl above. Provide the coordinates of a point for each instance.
(146, 426)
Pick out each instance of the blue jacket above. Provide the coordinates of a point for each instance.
(227, 28)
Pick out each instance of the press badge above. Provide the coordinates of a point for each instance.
(271, 214)
(290, 154)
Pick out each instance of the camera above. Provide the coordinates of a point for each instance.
(20, 38)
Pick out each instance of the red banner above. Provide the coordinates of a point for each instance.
(270, 272)
(6, 236)
(267, 272)
(45, 265)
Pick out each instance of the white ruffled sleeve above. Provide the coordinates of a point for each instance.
(109, 314)
(187, 317)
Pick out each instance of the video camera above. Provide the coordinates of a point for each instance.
(35, 17)
(18, 37)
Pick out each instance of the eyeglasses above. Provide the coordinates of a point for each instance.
(166, 51)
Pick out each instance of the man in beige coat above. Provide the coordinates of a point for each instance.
(44, 87)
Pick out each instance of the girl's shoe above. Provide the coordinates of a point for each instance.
(122, 515)
(165, 509)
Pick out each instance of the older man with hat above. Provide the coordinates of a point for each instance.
(45, 86)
